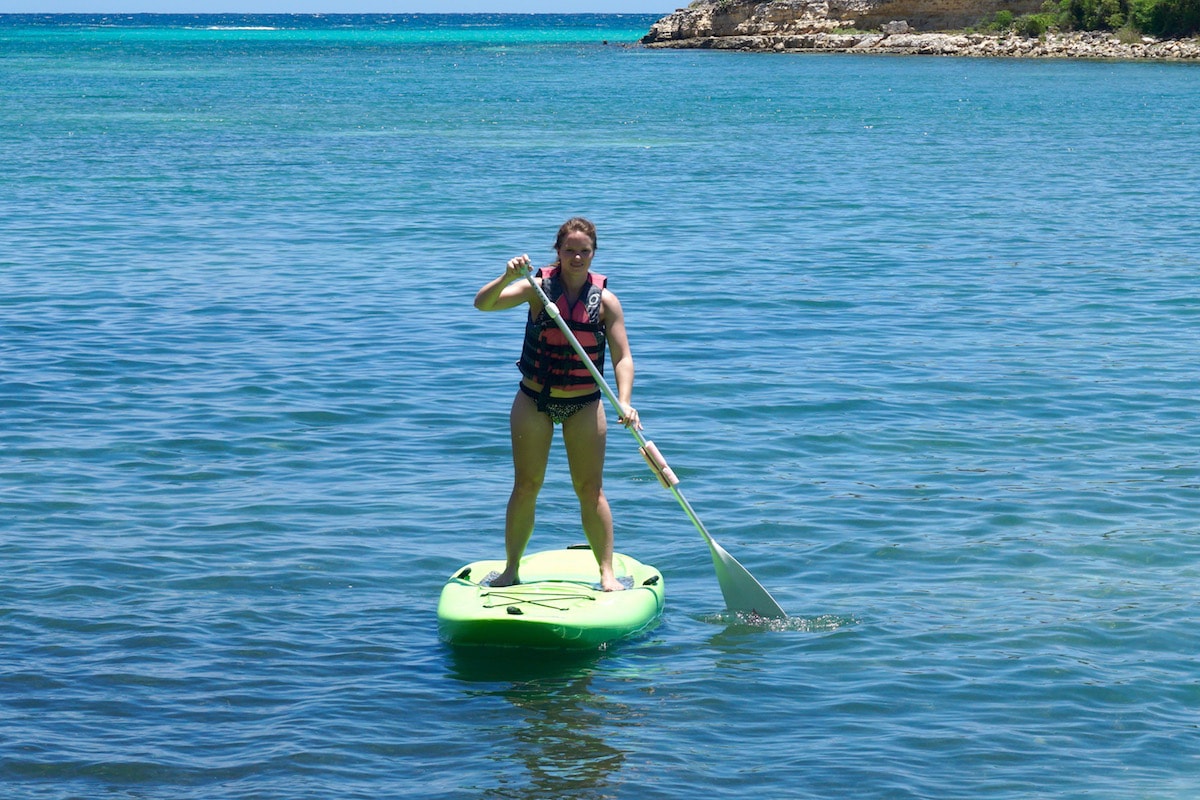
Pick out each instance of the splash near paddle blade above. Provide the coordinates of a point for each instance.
(742, 592)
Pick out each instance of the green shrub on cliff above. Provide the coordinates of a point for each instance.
(1002, 21)
(1034, 26)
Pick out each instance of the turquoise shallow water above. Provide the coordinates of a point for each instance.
(919, 336)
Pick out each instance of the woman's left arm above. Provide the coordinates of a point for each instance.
(622, 358)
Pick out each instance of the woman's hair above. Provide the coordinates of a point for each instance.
(575, 225)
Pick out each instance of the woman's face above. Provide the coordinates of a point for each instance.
(576, 251)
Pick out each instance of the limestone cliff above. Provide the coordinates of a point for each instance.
(732, 18)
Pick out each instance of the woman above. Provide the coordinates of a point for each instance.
(556, 388)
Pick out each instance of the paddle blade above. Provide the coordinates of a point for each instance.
(743, 593)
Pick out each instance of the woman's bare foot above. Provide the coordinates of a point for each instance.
(611, 584)
(506, 578)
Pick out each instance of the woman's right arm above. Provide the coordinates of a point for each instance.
(508, 290)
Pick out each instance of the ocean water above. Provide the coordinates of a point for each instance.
(919, 335)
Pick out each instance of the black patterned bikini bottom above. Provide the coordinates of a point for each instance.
(561, 409)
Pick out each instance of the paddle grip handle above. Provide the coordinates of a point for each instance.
(658, 465)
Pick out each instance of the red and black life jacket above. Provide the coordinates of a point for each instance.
(547, 357)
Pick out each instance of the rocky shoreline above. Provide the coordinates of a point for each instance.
(1084, 45)
(916, 27)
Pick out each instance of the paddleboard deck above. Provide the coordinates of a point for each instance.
(558, 604)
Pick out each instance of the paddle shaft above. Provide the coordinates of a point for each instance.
(764, 604)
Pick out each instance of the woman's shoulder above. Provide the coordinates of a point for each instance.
(609, 302)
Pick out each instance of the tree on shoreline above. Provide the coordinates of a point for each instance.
(1165, 18)
(1176, 18)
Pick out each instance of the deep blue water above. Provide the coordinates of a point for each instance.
(919, 335)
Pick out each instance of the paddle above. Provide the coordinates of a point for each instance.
(743, 593)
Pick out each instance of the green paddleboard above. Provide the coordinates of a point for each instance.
(558, 604)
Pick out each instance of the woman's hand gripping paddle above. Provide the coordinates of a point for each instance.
(743, 593)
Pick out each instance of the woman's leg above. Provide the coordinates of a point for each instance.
(532, 433)
(584, 435)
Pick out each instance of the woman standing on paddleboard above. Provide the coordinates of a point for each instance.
(557, 388)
